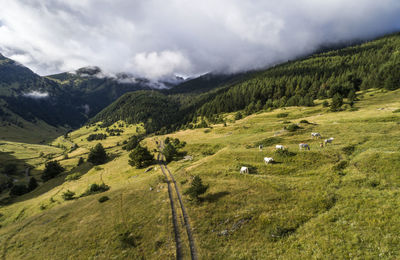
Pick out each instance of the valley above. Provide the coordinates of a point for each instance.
(338, 200)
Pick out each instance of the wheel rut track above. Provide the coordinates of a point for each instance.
(178, 243)
(192, 245)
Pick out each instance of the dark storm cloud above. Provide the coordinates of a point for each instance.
(155, 38)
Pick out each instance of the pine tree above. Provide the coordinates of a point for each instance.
(140, 157)
(169, 152)
(337, 102)
(196, 188)
(97, 155)
(51, 170)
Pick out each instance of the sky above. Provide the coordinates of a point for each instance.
(159, 38)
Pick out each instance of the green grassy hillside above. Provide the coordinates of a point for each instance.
(338, 201)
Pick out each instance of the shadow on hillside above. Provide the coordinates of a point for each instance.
(213, 197)
(8, 179)
(54, 183)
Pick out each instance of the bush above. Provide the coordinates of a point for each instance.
(81, 161)
(18, 190)
(32, 184)
(96, 137)
(73, 176)
(52, 169)
(95, 188)
(103, 199)
(68, 195)
(292, 127)
(10, 168)
(284, 153)
(396, 111)
(97, 155)
(269, 141)
(238, 116)
(197, 188)
(282, 115)
(132, 143)
(325, 104)
(140, 157)
(304, 122)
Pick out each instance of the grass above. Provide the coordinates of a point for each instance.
(339, 201)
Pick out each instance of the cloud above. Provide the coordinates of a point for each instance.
(155, 38)
(36, 94)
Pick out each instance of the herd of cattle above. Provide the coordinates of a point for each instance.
(302, 146)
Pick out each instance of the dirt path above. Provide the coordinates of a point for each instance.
(173, 210)
(192, 246)
(193, 251)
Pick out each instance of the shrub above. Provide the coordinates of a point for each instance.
(238, 116)
(396, 111)
(81, 161)
(10, 168)
(292, 127)
(32, 184)
(207, 131)
(304, 122)
(103, 199)
(68, 195)
(269, 141)
(196, 188)
(95, 188)
(52, 169)
(325, 104)
(18, 190)
(282, 115)
(73, 176)
(96, 137)
(284, 153)
(97, 155)
(132, 143)
(140, 157)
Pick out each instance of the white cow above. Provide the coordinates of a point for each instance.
(317, 135)
(279, 147)
(244, 169)
(328, 141)
(268, 160)
(304, 146)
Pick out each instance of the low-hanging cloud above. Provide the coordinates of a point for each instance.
(36, 94)
(157, 38)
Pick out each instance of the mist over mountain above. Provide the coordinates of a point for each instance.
(157, 38)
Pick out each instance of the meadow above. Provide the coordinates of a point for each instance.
(338, 201)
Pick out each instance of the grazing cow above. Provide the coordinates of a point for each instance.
(316, 135)
(304, 146)
(328, 141)
(244, 169)
(260, 147)
(279, 147)
(268, 160)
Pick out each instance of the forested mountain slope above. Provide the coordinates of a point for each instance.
(339, 72)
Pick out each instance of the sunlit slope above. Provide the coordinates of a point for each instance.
(339, 201)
